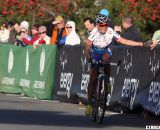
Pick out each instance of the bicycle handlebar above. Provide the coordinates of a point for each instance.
(96, 61)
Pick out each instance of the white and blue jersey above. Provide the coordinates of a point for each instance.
(101, 42)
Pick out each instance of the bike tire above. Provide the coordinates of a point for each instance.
(94, 113)
(101, 101)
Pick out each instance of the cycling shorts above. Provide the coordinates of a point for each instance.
(97, 53)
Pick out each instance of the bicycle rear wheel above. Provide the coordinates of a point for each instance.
(101, 101)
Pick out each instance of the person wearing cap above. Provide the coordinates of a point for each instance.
(24, 24)
(24, 35)
(43, 38)
(72, 37)
(59, 31)
(35, 35)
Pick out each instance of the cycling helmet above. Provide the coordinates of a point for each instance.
(101, 19)
(104, 12)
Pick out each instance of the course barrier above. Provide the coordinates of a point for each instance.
(135, 82)
(48, 72)
(27, 71)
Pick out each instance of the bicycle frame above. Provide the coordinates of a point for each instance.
(100, 97)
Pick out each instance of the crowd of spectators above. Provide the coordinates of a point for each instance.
(60, 32)
(20, 34)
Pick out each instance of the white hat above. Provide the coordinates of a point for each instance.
(24, 24)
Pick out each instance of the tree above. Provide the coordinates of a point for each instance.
(39, 10)
(146, 14)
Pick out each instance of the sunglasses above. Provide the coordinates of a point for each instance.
(68, 27)
(42, 32)
(23, 31)
(102, 25)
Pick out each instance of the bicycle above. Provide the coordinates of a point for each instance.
(102, 90)
(100, 96)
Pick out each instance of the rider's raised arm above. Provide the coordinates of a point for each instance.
(125, 41)
(129, 42)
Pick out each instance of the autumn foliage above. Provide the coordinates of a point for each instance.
(25, 9)
(145, 12)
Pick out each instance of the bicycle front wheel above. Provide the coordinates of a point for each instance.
(101, 100)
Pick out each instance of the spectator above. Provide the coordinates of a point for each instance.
(25, 24)
(12, 34)
(17, 28)
(72, 37)
(131, 32)
(4, 33)
(89, 24)
(35, 35)
(59, 30)
(24, 33)
(43, 38)
(155, 39)
(50, 27)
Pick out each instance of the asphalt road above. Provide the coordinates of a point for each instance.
(22, 113)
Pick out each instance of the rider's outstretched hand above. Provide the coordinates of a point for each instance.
(148, 43)
(154, 44)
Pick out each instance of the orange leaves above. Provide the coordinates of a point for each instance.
(147, 8)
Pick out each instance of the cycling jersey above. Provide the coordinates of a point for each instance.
(102, 40)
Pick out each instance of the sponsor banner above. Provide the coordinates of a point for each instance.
(71, 74)
(135, 82)
(27, 70)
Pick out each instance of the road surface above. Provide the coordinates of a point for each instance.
(22, 113)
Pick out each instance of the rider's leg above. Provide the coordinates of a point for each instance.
(106, 58)
(91, 89)
(92, 83)
(107, 69)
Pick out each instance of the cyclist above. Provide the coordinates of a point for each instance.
(97, 47)
(106, 13)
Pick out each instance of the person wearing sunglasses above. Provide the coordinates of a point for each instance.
(43, 37)
(59, 31)
(98, 48)
(23, 35)
(72, 37)
(35, 35)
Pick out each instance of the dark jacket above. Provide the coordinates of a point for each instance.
(132, 33)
